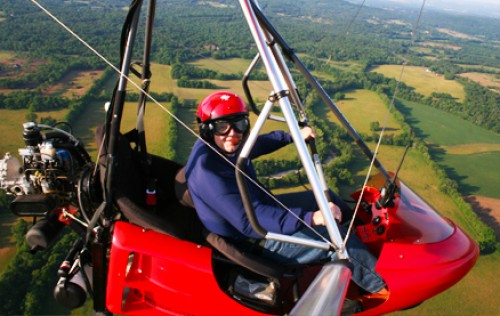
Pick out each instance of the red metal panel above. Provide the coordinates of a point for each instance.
(155, 274)
(416, 272)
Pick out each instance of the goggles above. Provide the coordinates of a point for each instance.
(223, 127)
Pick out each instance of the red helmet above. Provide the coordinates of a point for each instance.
(220, 104)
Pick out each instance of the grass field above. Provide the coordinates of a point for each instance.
(161, 81)
(487, 80)
(474, 295)
(424, 82)
(361, 107)
(227, 66)
(351, 65)
(11, 127)
(470, 154)
(6, 56)
(75, 83)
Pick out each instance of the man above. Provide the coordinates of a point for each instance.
(224, 124)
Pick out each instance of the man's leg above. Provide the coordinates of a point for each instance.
(363, 261)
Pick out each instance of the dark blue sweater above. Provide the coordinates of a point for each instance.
(212, 184)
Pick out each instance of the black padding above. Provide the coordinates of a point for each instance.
(248, 260)
(129, 193)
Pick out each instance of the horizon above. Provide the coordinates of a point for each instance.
(487, 8)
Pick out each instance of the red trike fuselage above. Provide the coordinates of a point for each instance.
(420, 255)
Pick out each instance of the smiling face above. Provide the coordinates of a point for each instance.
(229, 132)
(230, 142)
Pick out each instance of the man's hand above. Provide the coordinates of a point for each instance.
(307, 132)
(318, 218)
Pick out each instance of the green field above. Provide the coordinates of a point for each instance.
(6, 56)
(226, 66)
(350, 65)
(474, 295)
(470, 154)
(361, 107)
(161, 81)
(11, 127)
(442, 128)
(423, 81)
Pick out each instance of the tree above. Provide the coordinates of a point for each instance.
(374, 126)
(31, 117)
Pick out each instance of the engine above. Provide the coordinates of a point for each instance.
(51, 181)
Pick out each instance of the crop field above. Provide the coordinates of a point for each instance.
(361, 107)
(161, 81)
(443, 128)
(469, 153)
(226, 66)
(487, 80)
(75, 83)
(11, 127)
(17, 65)
(6, 56)
(423, 81)
(477, 174)
(474, 295)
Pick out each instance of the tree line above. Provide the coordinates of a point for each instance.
(194, 33)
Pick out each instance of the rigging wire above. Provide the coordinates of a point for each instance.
(391, 105)
(348, 26)
(220, 154)
(177, 120)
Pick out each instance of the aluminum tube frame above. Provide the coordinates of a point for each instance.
(248, 94)
(322, 93)
(113, 119)
(98, 246)
(288, 79)
(326, 294)
(275, 77)
(125, 67)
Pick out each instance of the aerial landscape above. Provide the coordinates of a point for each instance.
(418, 82)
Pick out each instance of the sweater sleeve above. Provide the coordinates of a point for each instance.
(213, 186)
(270, 142)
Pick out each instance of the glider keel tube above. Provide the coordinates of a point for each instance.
(326, 294)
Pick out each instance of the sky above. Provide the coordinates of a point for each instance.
(475, 7)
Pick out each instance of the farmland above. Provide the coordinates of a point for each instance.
(488, 80)
(469, 152)
(423, 80)
(468, 156)
(40, 55)
(361, 107)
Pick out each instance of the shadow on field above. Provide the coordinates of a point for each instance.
(438, 155)
(485, 214)
(410, 119)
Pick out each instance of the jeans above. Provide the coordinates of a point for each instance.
(363, 261)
